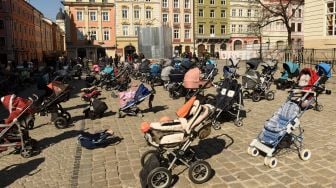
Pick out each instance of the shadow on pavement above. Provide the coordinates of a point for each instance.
(16, 171)
(76, 106)
(49, 141)
(155, 109)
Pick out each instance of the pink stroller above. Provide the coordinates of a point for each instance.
(14, 131)
(194, 83)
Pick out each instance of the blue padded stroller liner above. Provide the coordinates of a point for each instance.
(141, 93)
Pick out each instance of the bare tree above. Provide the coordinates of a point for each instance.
(280, 10)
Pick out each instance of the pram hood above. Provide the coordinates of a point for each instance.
(155, 69)
(192, 79)
(253, 63)
(15, 105)
(166, 72)
(307, 78)
(58, 87)
(290, 70)
(108, 70)
(323, 69)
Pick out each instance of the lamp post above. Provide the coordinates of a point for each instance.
(91, 40)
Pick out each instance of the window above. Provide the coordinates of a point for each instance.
(240, 28)
(136, 30)
(2, 26)
(106, 35)
(176, 3)
(249, 13)
(256, 13)
(293, 13)
(147, 0)
(299, 27)
(293, 27)
(212, 2)
(249, 28)
(200, 29)
(223, 13)
(105, 16)
(222, 2)
(93, 35)
(124, 12)
(212, 13)
(125, 30)
(93, 16)
(2, 41)
(299, 13)
(165, 18)
(79, 15)
(187, 18)
(187, 34)
(104, 1)
(148, 13)
(80, 33)
(223, 29)
(186, 4)
(92, 1)
(176, 18)
(165, 3)
(240, 12)
(176, 34)
(233, 13)
(212, 29)
(200, 12)
(137, 13)
(233, 28)
(200, 2)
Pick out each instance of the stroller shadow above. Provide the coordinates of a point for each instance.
(155, 109)
(49, 141)
(76, 107)
(16, 171)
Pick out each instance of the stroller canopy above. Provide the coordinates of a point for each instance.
(15, 105)
(291, 67)
(186, 64)
(233, 62)
(155, 69)
(308, 78)
(253, 63)
(324, 69)
(108, 70)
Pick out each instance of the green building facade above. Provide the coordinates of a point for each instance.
(211, 25)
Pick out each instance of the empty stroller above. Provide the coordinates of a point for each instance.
(129, 101)
(91, 92)
(51, 104)
(14, 132)
(154, 74)
(291, 71)
(167, 68)
(258, 85)
(176, 76)
(278, 132)
(230, 70)
(172, 140)
(193, 81)
(210, 69)
(229, 101)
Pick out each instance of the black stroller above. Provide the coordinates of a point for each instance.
(258, 85)
(176, 76)
(51, 104)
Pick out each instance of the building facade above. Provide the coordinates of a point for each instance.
(211, 25)
(90, 28)
(243, 14)
(320, 24)
(178, 15)
(131, 15)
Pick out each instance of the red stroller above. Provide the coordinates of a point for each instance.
(91, 92)
(14, 131)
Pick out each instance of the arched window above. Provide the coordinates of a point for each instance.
(280, 44)
(223, 46)
(237, 45)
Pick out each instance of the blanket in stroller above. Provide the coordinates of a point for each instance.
(276, 127)
(15, 105)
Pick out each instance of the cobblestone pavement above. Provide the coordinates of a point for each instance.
(63, 163)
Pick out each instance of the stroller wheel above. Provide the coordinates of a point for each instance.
(270, 95)
(271, 162)
(120, 114)
(26, 152)
(60, 122)
(253, 151)
(256, 97)
(147, 155)
(319, 108)
(216, 125)
(160, 177)
(238, 123)
(200, 172)
(67, 116)
(305, 154)
(140, 114)
(246, 95)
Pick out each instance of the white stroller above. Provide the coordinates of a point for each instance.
(177, 135)
(279, 131)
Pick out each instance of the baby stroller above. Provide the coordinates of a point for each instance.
(76, 71)
(167, 68)
(230, 70)
(258, 85)
(144, 70)
(175, 87)
(51, 104)
(291, 71)
(96, 108)
(14, 130)
(192, 82)
(229, 101)
(172, 140)
(129, 100)
(154, 74)
(278, 132)
(210, 69)
(91, 92)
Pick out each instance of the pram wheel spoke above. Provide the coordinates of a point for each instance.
(270, 95)
(26, 152)
(200, 172)
(145, 156)
(67, 116)
(319, 108)
(159, 177)
(60, 122)
(305, 154)
(216, 125)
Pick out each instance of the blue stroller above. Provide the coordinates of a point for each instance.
(154, 74)
(278, 132)
(291, 70)
(129, 102)
(230, 70)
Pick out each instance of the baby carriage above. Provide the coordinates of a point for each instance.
(91, 92)
(129, 100)
(291, 71)
(167, 68)
(230, 70)
(51, 104)
(175, 87)
(144, 69)
(193, 81)
(229, 101)
(258, 85)
(76, 71)
(279, 130)
(14, 132)
(210, 69)
(172, 140)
